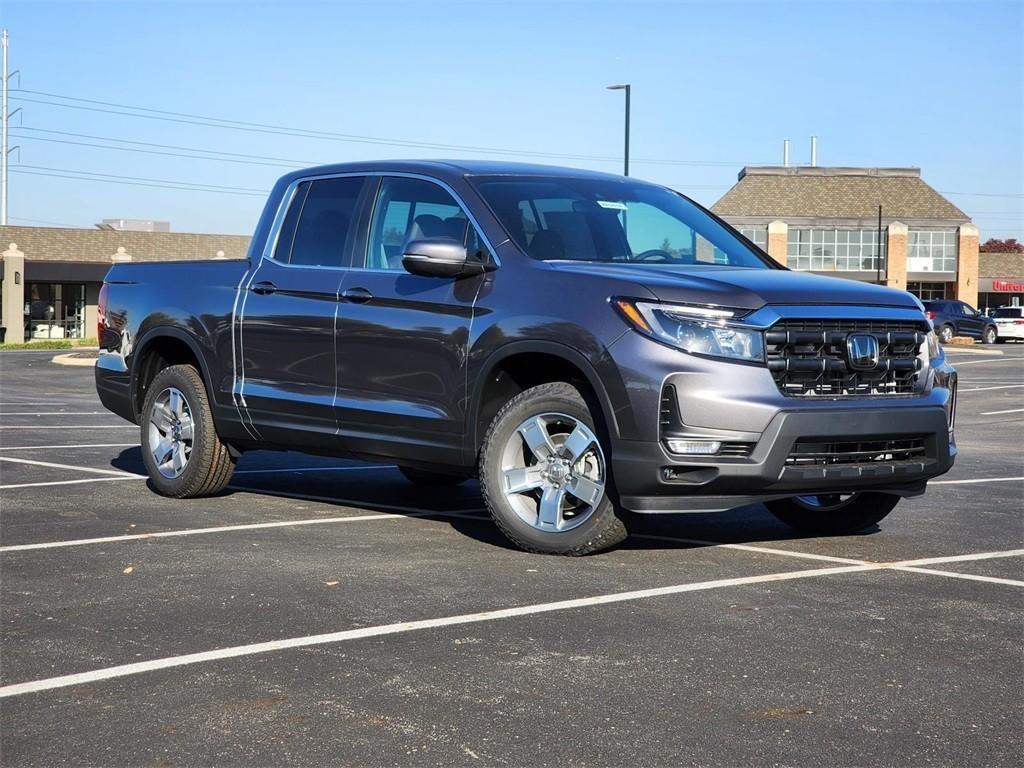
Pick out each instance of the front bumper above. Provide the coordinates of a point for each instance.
(710, 484)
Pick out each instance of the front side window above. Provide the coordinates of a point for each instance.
(414, 209)
(831, 250)
(318, 227)
(579, 219)
(931, 250)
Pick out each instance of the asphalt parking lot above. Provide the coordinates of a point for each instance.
(327, 612)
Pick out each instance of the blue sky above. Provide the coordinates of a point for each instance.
(939, 85)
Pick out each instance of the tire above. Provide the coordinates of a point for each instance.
(946, 333)
(436, 479)
(990, 335)
(546, 516)
(832, 516)
(206, 466)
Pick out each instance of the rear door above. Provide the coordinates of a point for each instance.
(971, 322)
(289, 312)
(402, 338)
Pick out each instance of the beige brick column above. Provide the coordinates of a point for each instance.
(14, 295)
(778, 241)
(896, 253)
(967, 264)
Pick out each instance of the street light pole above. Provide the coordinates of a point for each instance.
(624, 87)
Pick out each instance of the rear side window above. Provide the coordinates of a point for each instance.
(318, 229)
(1011, 312)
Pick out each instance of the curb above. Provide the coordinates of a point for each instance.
(71, 359)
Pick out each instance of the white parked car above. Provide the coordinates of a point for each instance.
(1009, 323)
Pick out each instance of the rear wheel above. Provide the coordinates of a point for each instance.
(422, 477)
(946, 334)
(990, 336)
(182, 452)
(833, 514)
(544, 474)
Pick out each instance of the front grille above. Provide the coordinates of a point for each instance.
(807, 358)
(823, 453)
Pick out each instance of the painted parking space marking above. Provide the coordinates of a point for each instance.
(975, 480)
(399, 514)
(125, 670)
(56, 447)
(73, 426)
(12, 486)
(284, 470)
(989, 389)
(967, 576)
(1000, 413)
(73, 467)
(57, 413)
(958, 364)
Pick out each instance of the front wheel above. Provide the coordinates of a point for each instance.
(544, 474)
(990, 336)
(183, 454)
(833, 514)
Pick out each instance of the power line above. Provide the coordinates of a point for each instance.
(44, 221)
(137, 178)
(218, 122)
(179, 187)
(984, 194)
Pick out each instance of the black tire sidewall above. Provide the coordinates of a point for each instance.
(600, 530)
(190, 385)
(865, 510)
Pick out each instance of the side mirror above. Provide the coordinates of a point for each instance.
(438, 257)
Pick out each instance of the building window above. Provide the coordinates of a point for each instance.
(928, 291)
(832, 250)
(757, 235)
(931, 251)
(54, 311)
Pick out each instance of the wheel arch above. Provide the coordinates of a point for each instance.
(160, 348)
(523, 364)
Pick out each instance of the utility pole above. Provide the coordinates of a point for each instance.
(627, 88)
(4, 118)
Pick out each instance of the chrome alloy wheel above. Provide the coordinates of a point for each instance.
(553, 472)
(826, 502)
(171, 431)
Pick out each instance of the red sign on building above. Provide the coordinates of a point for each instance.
(1007, 286)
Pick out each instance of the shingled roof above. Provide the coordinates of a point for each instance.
(835, 193)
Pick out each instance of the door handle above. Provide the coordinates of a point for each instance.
(356, 295)
(263, 288)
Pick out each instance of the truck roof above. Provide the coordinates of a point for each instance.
(452, 168)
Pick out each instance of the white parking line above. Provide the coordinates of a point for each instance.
(74, 426)
(976, 480)
(125, 670)
(80, 445)
(996, 360)
(74, 467)
(967, 576)
(988, 389)
(750, 548)
(285, 470)
(399, 514)
(58, 413)
(1000, 413)
(71, 482)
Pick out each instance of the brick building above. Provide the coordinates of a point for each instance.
(825, 220)
(50, 278)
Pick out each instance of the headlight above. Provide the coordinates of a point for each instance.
(699, 330)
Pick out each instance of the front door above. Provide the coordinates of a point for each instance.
(288, 317)
(402, 338)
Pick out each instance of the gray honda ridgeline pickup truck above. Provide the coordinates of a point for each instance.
(583, 343)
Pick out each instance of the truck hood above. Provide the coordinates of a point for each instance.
(744, 288)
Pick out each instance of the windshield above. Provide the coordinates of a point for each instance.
(1014, 312)
(555, 218)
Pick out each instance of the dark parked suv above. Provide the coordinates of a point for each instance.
(583, 343)
(956, 318)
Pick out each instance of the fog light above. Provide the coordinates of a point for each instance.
(694, 447)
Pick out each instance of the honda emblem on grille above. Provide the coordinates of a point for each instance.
(862, 351)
